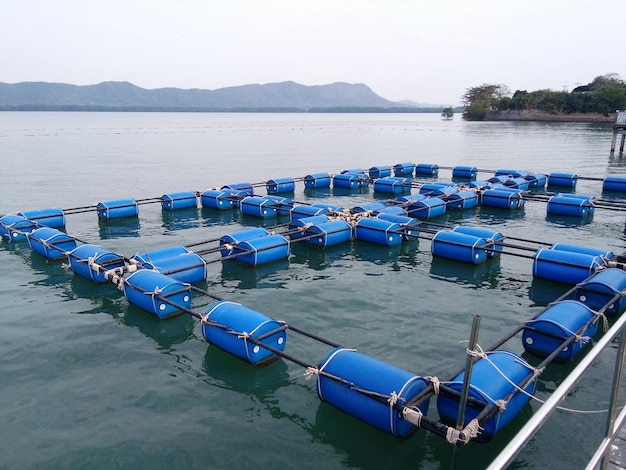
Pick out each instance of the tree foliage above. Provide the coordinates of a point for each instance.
(604, 94)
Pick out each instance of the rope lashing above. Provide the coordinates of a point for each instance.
(471, 430)
(310, 372)
(413, 416)
(436, 383)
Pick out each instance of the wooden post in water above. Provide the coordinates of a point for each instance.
(619, 128)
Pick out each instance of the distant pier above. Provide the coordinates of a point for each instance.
(619, 128)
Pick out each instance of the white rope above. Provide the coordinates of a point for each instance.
(310, 372)
(413, 416)
(436, 383)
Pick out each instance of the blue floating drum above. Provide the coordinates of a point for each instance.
(15, 227)
(601, 288)
(462, 200)
(438, 189)
(301, 211)
(177, 262)
(459, 247)
(392, 185)
(298, 227)
(369, 207)
(614, 183)
(51, 243)
(409, 199)
(464, 172)
(157, 293)
(283, 205)
(565, 266)
(52, 217)
(426, 169)
(379, 231)
(427, 208)
(182, 200)
(583, 249)
(218, 199)
(258, 207)
(491, 381)
(409, 225)
(403, 169)
(232, 327)
(353, 171)
(567, 180)
(317, 180)
(547, 332)
(241, 189)
(379, 172)
(480, 184)
(349, 180)
(280, 185)
(393, 210)
(227, 242)
(570, 206)
(494, 239)
(361, 378)
(501, 199)
(518, 183)
(329, 208)
(118, 209)
(91, 261)
(511, 173)
(262, 250)
(536, 180)
(329, 234)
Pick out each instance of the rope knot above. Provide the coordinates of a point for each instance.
(310, 372)
(393, 399)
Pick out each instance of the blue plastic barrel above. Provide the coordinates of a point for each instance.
(403, 169)
(51, 243)
(329, 234)
(569, 206)
(392, 185)
(182, 200)
(301, 211)
(283, 205)
(554, 325)
(262, 250)
(438, 189)
(598, 290)
(280, 185)
(329, 208)
(583, 249)
(614, 183)
(427, 169)
(480, 184)
(175, 261)
(395, 210)
(462, 200)
(499, 179)
(511, 173)
(427, 208)
(564, 266)
(232, 327)
(519, 183)
(146, 289)
(118, 209)
(244, 189)
(536, 180)
(379, 231)
(218, 199)
(492, 380)
(258, 207)
(362, 374)
(349, 180)
(501, 199)
(464, 172)
(353, 171)
(409, 225)
(459, 247)
(228, 241)
(562, 179)
(379, 172)
(369, 207)
(52, 217)
(494, 239)
(15, 227)
(317, 180)
(298, 227)
(410, 199)
(83, 259)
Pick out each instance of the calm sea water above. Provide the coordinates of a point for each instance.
(88, 381)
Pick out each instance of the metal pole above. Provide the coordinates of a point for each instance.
(469, 364)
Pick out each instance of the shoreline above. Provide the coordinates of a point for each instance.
(533, 115)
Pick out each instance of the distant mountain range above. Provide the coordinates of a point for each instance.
(124, 96)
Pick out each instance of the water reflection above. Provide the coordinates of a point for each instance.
(481, 275)
(118, 228)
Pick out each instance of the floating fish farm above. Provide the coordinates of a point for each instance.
(475, 403)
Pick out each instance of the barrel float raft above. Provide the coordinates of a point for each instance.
(459, 247)
(176, 261)
(329, 234)
(403, 169)
(231, 327)
(51, 243)
(52, 217)
(601, 288)
(567, 180)
(379, 231)
(379, 172)
(155, 293)
(118, 209)
(501, 198)
(426, 169)
(564, 266)
(570, 206)
(494, 239)
(464, 172)
(182, 200)
(15, 227)
(92, 261)
(262, 250)
(491, 380)
(317, 180)
(218, 199)
(362, 380)
(227, 242)
(280, 185)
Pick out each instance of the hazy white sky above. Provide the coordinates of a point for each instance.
(426, 51)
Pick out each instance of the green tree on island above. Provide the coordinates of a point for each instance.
(447, 113)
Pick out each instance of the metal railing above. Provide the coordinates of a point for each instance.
(614, 422)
